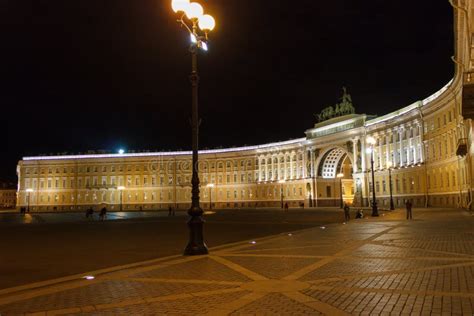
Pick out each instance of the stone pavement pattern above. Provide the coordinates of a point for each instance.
(384, 266)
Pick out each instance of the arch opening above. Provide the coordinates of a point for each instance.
(334, 190)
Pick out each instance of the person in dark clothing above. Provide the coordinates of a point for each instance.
(170, 210)
(103, 213)
(89, 212)
(347, 215)
(286, 207)
(408, 206)
(359, 214)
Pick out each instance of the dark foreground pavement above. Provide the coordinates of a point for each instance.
(39, 247)
(375, 266)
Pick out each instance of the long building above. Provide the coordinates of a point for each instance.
(425, 149)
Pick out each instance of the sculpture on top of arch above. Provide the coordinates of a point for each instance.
(345, 107)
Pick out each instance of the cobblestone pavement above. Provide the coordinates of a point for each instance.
(373, 266)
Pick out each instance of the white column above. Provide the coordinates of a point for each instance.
(408, 148)
(380, 154)
(291, 164)
(354, 154)
(303, 175)
(363, 156)
(266, 168)
(402, 154)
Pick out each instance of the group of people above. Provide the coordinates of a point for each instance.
(347, 215)
(360, 213)
(24, 210)
(102, 214)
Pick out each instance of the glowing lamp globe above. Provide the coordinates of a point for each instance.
(371, 140)
(179, 5)
(207, 23)
(194, 11)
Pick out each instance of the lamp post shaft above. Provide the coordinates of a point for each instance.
(210, 198)
(121, 200)
(281, 196)
(196, 245)
(392, 207)
(340, 188)
(375, 211)
(28, 208)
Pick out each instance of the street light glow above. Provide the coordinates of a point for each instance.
(193, 38)
(29, 190)
(210, 185)
(207, 23)
(121, 151)
(121, 188)
(340, 175)
(194, 11)
(204, 46)
(179, 5)
(371, 140)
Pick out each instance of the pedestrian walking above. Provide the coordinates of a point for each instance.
(286, 207)
(347, 215)
(170, 210)
(408, 206)
(103, 213)
(90, 213)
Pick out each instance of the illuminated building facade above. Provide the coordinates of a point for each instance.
(7, 195)
(426, 145)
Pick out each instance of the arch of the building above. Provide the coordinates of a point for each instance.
(331, 190)
(330, 160)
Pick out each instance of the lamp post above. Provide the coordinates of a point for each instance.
(192, 13)
(371, 141)
(389, 166)
(210, 186)
(28, 191)
(121, 189)
(281, 192)
(340, 176)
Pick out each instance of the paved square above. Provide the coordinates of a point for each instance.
(375, 266)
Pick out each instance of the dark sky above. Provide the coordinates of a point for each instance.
(105, 74)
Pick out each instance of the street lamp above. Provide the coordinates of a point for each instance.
(389, 166)
(29, 191)
(210, 186)
(281, 192)
(192, 13)
(121, 189)
(371, 141)
(340, 176)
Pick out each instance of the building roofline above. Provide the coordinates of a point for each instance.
(164, 154)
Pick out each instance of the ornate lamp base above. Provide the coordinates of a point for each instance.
(196, 245)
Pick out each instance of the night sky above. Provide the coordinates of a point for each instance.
(107, 74)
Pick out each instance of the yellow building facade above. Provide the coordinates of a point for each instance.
(425, 148)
